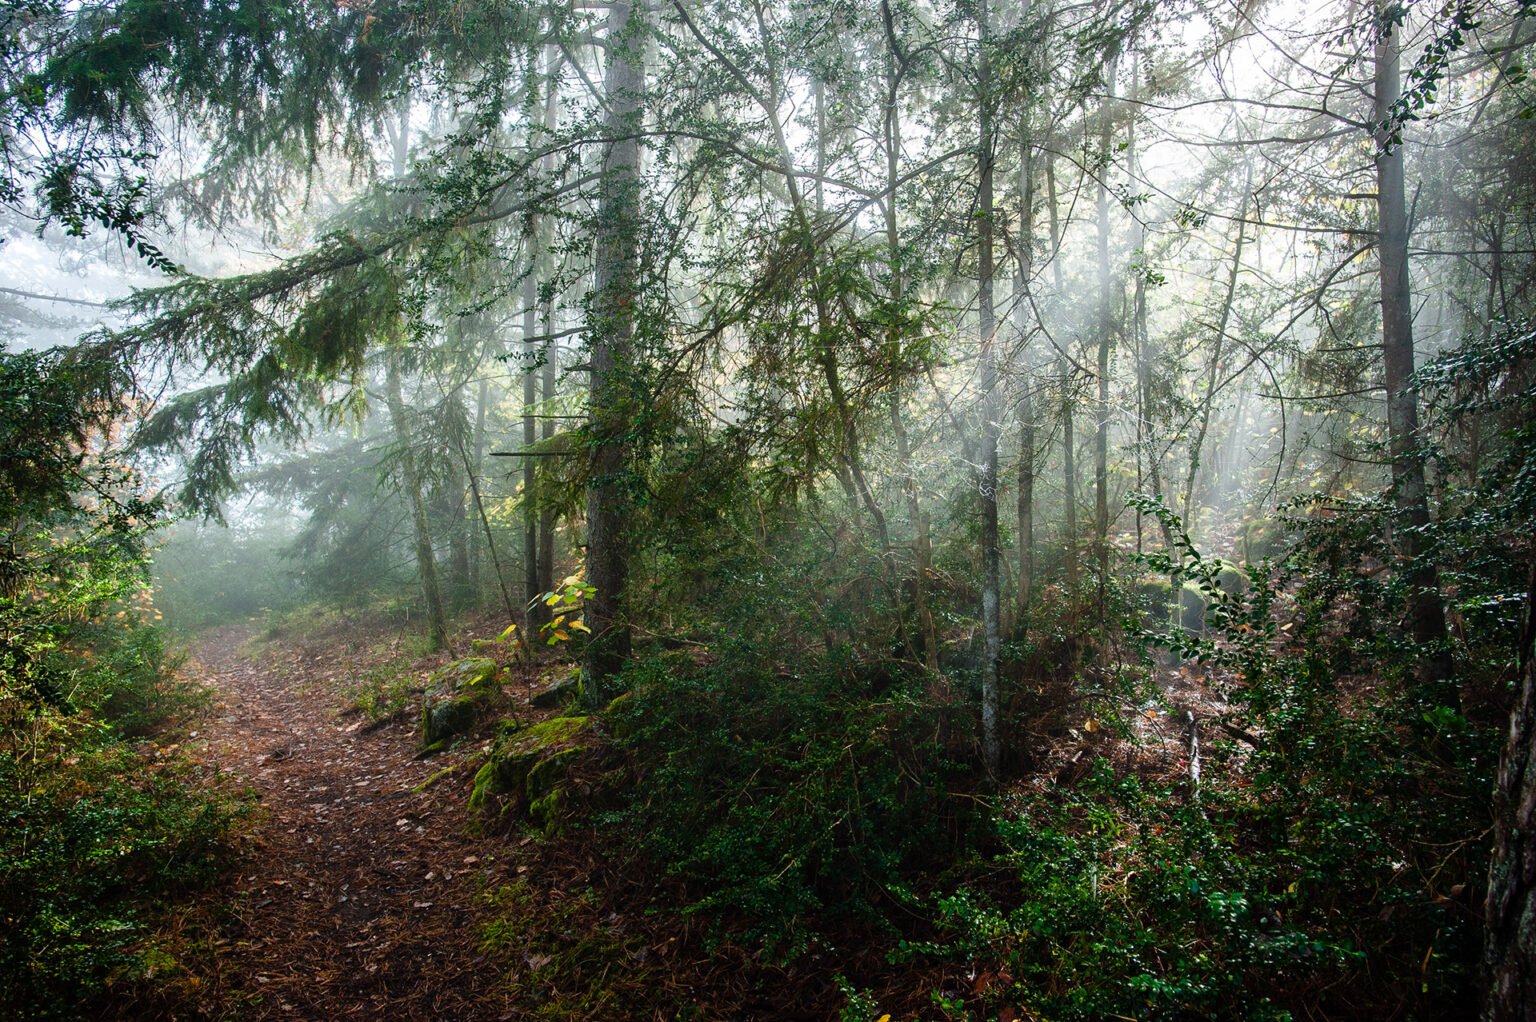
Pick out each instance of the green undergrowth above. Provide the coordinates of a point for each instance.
(382, 692)
(105, 826)
(795, 799)
(1328, 864)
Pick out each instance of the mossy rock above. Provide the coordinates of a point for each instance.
(561, 691)
(517, 767)
(446, 719)
(472, 674)
(616, 716)
(548, 772)
(544, 812)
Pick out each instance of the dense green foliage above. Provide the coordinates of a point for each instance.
(1323, 859)
(792, 796)
(877, 358)
(100, 827)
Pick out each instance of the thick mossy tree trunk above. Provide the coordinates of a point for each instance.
(1509, 914)
(612, 385)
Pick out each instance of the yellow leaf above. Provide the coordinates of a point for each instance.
(571, 580)
(562, 634)
(557, 621)
(1090, 725)
(580, 626)
(551, 599)
(512, 628)
(884, 1018)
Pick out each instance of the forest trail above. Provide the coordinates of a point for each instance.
(358, 896)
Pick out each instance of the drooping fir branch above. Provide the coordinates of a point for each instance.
(285, 338)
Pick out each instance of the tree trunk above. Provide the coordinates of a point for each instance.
(1509, 914)
(991, 746)
(611, 389)
(456, 503)
(530, 298)
(547, 382)
(476, 470)
(1026, 495)
(1106, 337)
(1064, 374)
(426, 563)
(921, 548)
(1426, 612)
(1189, 511)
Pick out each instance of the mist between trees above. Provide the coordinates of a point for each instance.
(963, 385)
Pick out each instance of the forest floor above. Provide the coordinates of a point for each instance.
(359, 896)
(363, 891)
(366, 889)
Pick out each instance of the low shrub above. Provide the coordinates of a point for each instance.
(790, 796)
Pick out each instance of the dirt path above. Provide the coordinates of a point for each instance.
(359, 898)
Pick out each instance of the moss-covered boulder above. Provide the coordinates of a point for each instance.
(443, 720)
(472, 674)
(529, 768)
(458, 694)
(618, 716)
(557, 690)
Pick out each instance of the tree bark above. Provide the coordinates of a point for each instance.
(611, 389)
(1106, 342)
(547, 382)
(921, 547)
(1426, 612)
(1509, 914)
(531, 575)
(991, 745)
(426, 563)
(1064, 374)
(1026, 408)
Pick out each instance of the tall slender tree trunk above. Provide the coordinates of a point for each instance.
(426, 563)
(476, 470)
(1106, 328)
(1426, 612)
(1064, 375)
(1026, 407)
(861, 494)
(612, 387)
(456, 504)
(1189, 510)
(991, 744)
(530, 298)
(547, 375)
(921, 547)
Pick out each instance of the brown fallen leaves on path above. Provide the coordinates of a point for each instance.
(359, 897)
